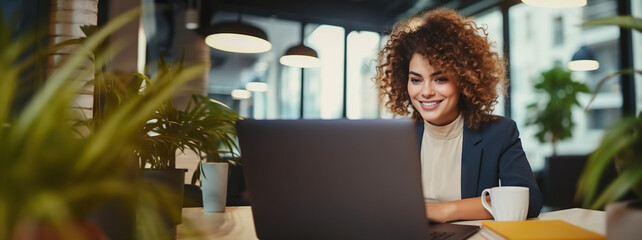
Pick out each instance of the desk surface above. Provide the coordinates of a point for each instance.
(237, 222)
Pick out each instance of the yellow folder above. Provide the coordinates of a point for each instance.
(536, 229)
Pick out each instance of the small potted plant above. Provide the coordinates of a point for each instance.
(205, 126)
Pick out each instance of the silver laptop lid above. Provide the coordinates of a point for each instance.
(333, 179)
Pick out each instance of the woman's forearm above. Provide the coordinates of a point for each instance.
(465, 209)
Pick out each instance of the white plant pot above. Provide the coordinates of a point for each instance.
(623, 220)
(214, 185)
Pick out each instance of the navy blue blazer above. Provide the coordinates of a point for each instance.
(491, 154)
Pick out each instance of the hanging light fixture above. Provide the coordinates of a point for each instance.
(556, 3)
(191, 14)
(241, 94)
(300, 55)
(583, 60)
(238, 37)
(256, 86)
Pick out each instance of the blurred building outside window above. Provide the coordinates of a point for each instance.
(492, 21)
(323, 86)
(362, 96)
(532, 54)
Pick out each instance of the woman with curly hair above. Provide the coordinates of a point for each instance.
(440, 69)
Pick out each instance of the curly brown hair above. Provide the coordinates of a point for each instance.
(451, 44)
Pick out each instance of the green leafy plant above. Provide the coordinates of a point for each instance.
(203, 126)
(621, 144)
(54, 176)
(554, 117)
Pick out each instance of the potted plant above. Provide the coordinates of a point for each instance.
(554, 117)
(621, 146)
(205, 126)
(555, 123)
(55, 177)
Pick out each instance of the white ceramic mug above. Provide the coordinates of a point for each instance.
(508, 203)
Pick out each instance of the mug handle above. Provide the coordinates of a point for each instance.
(485, 203)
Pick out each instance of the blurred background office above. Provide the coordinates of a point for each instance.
(535, 39)
(346, 35)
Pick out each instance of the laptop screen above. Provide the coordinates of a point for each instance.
(333, 179)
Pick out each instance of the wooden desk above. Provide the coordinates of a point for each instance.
(237, 223)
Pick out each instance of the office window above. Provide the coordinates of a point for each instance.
(362, 96)
(323, 86)
(492, 22)
(607, 53)
(530, 57)
(528, 29)
(289, 94)
(595, 9)
(601, 118)
(636, 10)
(230, 71)
(558, 31)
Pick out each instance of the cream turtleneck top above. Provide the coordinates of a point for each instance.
(441, 150)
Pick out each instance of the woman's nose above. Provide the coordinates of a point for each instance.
(428, 89)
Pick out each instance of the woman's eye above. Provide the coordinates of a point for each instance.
(441, 80)
(415, 80)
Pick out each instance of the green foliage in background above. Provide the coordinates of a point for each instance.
(554, 117)
(621, 144)
(55, 176)
(203, 126)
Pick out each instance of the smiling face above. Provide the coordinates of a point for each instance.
(434, 94)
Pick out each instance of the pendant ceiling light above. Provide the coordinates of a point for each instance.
(191, 14)
(583, 60)
(256, 86)
(556, 3)
(238, 37)
(300, 55)
(241, 94)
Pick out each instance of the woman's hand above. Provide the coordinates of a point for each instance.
(440, 212)
(465, 209)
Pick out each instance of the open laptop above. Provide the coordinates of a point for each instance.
(336, 179)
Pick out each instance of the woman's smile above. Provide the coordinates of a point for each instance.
(430, 105)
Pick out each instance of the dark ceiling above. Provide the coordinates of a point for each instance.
(371, 15)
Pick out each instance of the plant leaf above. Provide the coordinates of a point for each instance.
(628, 22)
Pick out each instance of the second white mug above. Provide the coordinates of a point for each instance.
(508, 203)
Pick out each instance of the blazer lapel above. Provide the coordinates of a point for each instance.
(470, 162)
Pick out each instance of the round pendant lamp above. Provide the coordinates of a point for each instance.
(556, 3)
(300, 55)
(256, 86)
(241, 94)
(583, 60)
(191, 14)
(238, 37)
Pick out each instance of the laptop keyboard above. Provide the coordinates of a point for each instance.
(440, 235)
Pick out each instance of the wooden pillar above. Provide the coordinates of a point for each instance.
(65, 20)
